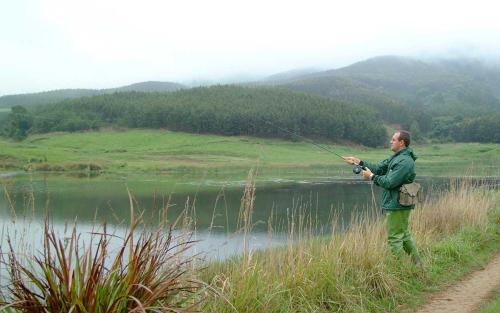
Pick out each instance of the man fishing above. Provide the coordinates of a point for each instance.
(391, 174)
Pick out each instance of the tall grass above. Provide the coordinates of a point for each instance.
(338, 271)
(246, 212)
(351, 271)
(149, 273)
(463, 204)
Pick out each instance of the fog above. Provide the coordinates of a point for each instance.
(54, 44)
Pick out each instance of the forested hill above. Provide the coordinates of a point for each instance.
(226, 110)
(62, 94)
(441, 88)
(391, 109)
(450, 100)
(456, 100)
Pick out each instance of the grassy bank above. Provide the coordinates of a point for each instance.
(149, 151)
(354, 272)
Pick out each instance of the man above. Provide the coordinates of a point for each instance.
(391, 174)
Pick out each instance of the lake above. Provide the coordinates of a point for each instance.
(212, 204)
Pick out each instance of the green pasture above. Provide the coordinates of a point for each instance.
(157, 151)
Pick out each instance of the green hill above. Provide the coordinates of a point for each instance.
(62, 94)
(391, 109)
(441, 87)
(431, 98)
(225, 110)
(45, 97)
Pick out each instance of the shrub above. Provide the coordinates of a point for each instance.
(150, 274)
(83, 166)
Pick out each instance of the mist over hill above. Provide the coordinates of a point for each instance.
(445, 99)
(289, 75)
(63, 94)
(464, 87)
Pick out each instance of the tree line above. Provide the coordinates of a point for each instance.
(477, 129)
(223, 110)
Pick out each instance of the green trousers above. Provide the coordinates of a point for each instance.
(399, 236)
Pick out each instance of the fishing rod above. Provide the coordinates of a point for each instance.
(356, 169)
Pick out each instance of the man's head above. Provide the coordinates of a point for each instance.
(400, 140)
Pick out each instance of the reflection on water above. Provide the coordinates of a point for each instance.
(26, 237)
(213, 206)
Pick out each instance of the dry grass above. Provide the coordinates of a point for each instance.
(464, 204)
(340, 272)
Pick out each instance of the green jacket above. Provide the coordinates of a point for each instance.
(390, 174)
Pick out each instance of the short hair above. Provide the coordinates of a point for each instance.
(405, 136)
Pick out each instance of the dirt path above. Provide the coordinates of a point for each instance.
(467, 295)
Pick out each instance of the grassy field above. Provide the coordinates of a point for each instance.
(149, 151)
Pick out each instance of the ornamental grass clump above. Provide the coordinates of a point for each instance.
(151, 273)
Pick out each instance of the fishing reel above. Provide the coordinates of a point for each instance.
(357, 169)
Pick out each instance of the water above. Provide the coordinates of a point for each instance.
(213, 206)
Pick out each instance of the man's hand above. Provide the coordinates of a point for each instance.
(367, 174)
(352, 160)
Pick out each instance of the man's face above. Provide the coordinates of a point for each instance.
(396, 144)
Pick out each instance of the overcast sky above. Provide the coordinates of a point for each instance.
(54, 44)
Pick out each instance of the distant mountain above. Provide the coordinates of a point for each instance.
(398, 88)
(150, 86)
(437, 85)
(392, 109)
(440, 87)
(288, 75)
(62, 94)
(45, 97)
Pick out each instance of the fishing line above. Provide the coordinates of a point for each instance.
(302, 137)
(357, 169)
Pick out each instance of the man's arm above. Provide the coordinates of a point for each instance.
(394, 178)
(377, 168)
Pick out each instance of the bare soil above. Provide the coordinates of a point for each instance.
(467, 295)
